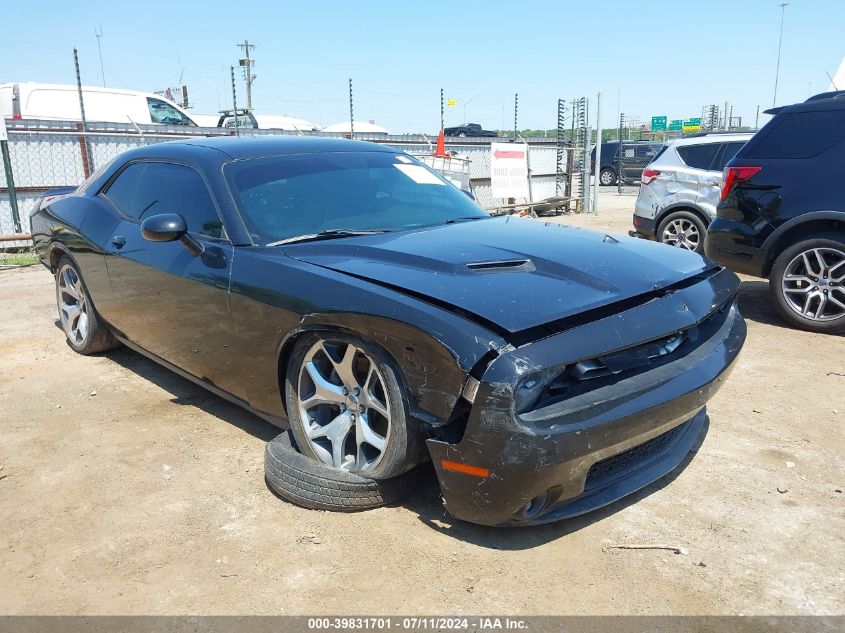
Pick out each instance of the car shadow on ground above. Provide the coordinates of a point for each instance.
(755, 303)
(186, 393)
(426, 503)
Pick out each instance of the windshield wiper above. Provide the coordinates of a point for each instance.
(328, 234)
(464, 218)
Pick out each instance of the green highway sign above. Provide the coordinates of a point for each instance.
(692, 124)
(658, 123)
(676, 124)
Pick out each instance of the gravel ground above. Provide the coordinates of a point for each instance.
(128, 490)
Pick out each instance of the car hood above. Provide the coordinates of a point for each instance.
(510, 272)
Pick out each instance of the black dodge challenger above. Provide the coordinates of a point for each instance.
(345, 290)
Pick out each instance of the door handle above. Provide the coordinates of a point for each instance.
(119, 241)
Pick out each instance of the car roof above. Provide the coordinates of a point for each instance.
(710, 138)
(834, 100)
(242, 147)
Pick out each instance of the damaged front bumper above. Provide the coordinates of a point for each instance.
(621, 403)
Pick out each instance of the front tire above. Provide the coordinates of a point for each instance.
(348, 409)
(311, 484)
(607, 177)
(84, 329)
(807, 283)
(682, 229)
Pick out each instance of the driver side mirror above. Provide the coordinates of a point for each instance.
(164, 227)
(469, 193)
(169, 227)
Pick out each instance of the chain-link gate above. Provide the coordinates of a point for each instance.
(636, 148)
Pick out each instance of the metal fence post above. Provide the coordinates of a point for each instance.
(87, 163)
(585, 157)
(10, 185)
(620, 155)
(597, 166)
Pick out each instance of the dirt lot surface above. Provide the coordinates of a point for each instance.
(127, 490)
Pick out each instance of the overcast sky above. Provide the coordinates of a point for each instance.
(657, 58)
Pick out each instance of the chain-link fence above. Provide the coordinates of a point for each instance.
(46, 155)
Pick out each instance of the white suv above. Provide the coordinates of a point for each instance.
(680, 189)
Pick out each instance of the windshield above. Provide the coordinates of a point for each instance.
(285, 197)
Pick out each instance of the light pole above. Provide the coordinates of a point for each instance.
(466, 103)
(783, 6)
(99, 35)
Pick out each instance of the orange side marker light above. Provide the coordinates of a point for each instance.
(476, 471)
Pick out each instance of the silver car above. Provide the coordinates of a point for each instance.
(680, 189)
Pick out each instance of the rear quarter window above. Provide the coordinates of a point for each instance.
(699, 156)
(800, 135)
(660, 152)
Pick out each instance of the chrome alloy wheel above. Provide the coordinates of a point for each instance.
(73, 305)
(682, 233)
(343, 405)
(813, 284)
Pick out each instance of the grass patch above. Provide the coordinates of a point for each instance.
(23, 258)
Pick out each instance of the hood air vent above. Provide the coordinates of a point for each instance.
(503, 266)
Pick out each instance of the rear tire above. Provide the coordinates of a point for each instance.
(682, 229)
(807, 283)
(312, 484)
(85, 331)
(607, 177)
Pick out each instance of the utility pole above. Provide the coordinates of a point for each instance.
(247, 63)
(515, 114)
(783, 6)
(100, 50)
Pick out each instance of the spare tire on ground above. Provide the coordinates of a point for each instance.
(315, 485)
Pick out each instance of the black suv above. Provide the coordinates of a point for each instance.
(638, 155)
(782, 212)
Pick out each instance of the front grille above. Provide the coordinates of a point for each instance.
(630, 459)
(593, 373)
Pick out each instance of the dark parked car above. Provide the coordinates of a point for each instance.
(468, 129)
(638, 155)
(345, 290)
(782, 212)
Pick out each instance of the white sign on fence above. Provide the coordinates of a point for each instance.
(3, 135)
(509, 170)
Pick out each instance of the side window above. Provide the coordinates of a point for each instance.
(699, 156)
(163, 112)
(729, 151)
(659, 153)
(121, 192)
(800, 135)
(168, 188)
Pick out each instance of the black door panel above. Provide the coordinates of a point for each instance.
(164, 299)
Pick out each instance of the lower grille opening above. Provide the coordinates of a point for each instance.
(630, 459)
